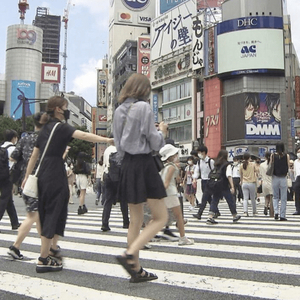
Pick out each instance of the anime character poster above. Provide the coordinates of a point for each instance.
(20, 89)
(262, 116)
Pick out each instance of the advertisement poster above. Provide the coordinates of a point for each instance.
(19, 90)
(262, 116)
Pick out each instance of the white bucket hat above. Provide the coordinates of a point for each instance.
(167, 150)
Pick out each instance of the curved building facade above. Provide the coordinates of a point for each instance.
(23, 69)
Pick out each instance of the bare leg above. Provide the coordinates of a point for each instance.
(180, 223)
(32, 217)
(136, 240)
(82, 197)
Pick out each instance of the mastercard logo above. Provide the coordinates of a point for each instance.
(125, 16)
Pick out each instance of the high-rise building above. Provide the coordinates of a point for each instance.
(51, 37)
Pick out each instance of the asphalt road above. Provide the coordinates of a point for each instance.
(258, 258)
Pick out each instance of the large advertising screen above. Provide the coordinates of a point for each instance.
(253, 116)
(250, 45)
(262, 116)
(173, 30)
(22, 89)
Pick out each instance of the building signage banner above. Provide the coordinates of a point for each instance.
(155, 107)
(262, 116)
(250, 51)
(198, 42)
(101, 88)
(19, 90)
(240, 150)
(143, 56)
(135, 12)
(166, 5)
(25, 36)
(50, 73)
(173, 30)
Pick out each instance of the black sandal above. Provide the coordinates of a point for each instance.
(49, 265)
(56, 254)
(123, 260)
(142, 278)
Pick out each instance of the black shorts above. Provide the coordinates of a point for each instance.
(140, 179)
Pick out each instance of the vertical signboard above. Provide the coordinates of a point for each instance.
(22, 89)
(143, 56)
(198, 41)
(101, 88)
(155, 107)
(262, 116)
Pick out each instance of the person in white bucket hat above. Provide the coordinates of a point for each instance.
(169, 174)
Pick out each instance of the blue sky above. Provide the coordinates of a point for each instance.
(88, 37)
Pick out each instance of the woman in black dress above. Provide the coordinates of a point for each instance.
(52, 179)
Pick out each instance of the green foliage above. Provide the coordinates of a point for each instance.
(8, 123)
(80, 146)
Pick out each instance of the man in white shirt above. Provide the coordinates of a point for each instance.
(109, 195)
(203, 168)
(236, 177)
(6, 200)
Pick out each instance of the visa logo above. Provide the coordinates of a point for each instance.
(144, 19)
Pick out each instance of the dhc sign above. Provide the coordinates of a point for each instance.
(136, 4)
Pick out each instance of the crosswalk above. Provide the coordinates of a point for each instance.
(257, 258)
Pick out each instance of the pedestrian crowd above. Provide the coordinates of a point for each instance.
(140, 169)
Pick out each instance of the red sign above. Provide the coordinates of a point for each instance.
(50, 73)
(212, 116)
(143, 56)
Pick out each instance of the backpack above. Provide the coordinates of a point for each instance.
(114, 169)
(4, 165)
(216, 177)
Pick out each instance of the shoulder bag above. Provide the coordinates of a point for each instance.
(31, 185)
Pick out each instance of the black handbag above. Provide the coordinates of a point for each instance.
(158, 163)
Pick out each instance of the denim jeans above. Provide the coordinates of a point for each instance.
(249, 192)
(279, 185)
(98, 188)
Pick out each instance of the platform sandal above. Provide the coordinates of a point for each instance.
(123, 261)
(48, 265)
(147, 276)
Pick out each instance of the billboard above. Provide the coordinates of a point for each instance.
(166, 5)
(262, 116)
(173, 30)
(136, 13)
(50, 73)
(250, 45)
(19, 90)
(143, 56)
(101, 88)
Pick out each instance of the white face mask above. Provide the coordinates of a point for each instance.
(200, 156)
(298, 155)
(190, 162)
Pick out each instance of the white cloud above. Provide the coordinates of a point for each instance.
(85, 84)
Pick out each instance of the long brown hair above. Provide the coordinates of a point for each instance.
(221, 158)
(246, 160)
(52, 103)
(137, 86)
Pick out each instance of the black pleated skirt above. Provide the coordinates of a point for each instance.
(140, 179)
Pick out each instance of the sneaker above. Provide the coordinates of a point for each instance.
(246, 214)
(276, 217)
(191, 208)
(105, 228)
(217, 214)
(85, 210)
(147, 247)
(197, 216)
(80, 210)
(236, 218)
(169, 235)
(255, 214)
(282, 219)
(211, 221)
(97, 201)
(15, 227)
(265, 211)
(14, 252)
(185, 241)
